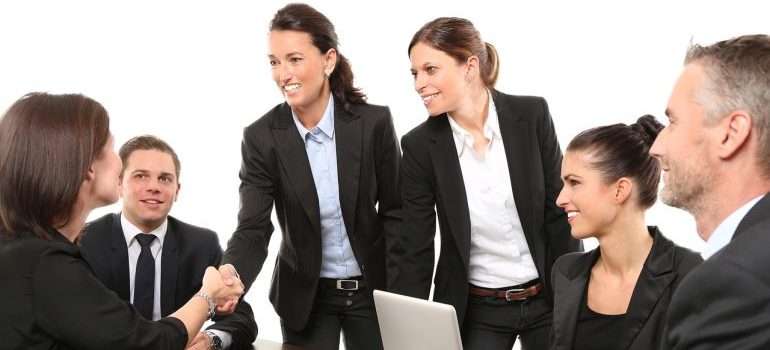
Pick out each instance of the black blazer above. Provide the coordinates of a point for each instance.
(276, 171)
(725, 302)
(50, 299)
(432, 178)
(187, 251)
(663, 270)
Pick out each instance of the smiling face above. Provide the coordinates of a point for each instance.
(683, 146)
(300, 69)
(440, 81)
(149, 188)
(589, 201)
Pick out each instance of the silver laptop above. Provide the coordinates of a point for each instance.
(408, 323)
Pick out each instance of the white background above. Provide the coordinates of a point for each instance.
(195, 73)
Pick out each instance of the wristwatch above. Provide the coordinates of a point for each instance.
(216, 342)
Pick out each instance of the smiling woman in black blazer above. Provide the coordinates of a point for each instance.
(617, 295)
(488, 163)
(328, 162)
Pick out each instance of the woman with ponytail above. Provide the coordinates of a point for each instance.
(488, 164)
(615, 296)
(328, 163)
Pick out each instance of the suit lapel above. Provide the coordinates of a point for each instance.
(452, 198)
(119, 260)
(348, 139)
(169, 271)
(293, 158)
(569, 291)
(756, 214)
(655, 278)
(516, 142)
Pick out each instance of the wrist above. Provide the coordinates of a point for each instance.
(211, 304)
(215, 343)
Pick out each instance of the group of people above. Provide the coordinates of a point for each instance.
(357, 212)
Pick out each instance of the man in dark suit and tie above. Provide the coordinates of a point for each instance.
(153, 260)
(716, 160)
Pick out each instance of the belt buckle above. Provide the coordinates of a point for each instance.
(512, 291)
(346, 284)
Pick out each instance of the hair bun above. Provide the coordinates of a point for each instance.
(648, 128)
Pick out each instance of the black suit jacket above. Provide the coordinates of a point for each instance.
(187, 251)
(432, 178)
(663, 270)
(276, 170)
(725, 302)
(50, 299)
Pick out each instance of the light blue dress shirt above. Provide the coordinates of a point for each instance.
(337, 259)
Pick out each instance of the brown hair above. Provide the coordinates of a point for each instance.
(458, 38)
(738, 77)
(147, 142)
(620, 150)
(47, 144)
(303, 18)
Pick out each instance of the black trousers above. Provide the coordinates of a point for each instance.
(494, 323)
(351, 312)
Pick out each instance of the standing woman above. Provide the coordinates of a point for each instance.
(57, 163)
(615, 296)
(489, 164)
(329, 163)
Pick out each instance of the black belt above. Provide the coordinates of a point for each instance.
(350, 283)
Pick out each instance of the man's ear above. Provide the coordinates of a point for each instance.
(734, 132)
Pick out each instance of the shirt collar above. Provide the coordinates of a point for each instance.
(726, 229)
(326, 125)
(464, 139)
(130, 231)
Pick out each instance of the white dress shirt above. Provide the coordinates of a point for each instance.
(499, 254)
(726, 229)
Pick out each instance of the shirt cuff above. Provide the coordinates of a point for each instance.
(226, 338)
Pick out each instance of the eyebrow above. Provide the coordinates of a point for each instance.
(668, 113)
(570, 176)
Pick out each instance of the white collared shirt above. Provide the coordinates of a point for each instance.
(134, 248)
(726, 229)
(499, 254)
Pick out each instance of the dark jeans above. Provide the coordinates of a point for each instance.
(352, 312)
(494, 323)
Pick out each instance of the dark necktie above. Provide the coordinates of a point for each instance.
(144, 281)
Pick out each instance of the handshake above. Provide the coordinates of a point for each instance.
(224, 286)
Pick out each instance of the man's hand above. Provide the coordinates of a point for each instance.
(229, 276)
(201, 342)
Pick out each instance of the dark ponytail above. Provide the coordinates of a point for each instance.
(303, 18)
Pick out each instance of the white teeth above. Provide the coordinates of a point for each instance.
(426, 99)
(151, 201)
(291, 87)
(571, 214)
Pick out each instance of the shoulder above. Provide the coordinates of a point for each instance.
(522, 103)
(685, 259)
(369, 110)
(571, 264)
(99, 230)
(427, 129)
(266, 120)
(191, 232)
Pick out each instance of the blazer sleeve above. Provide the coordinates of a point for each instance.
(73, 306)
(733, 317)
(418, 228)
(555, 218)
(241, 324)
(388, 166)
(247, 248)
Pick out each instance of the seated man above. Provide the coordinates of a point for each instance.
(153, 260)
